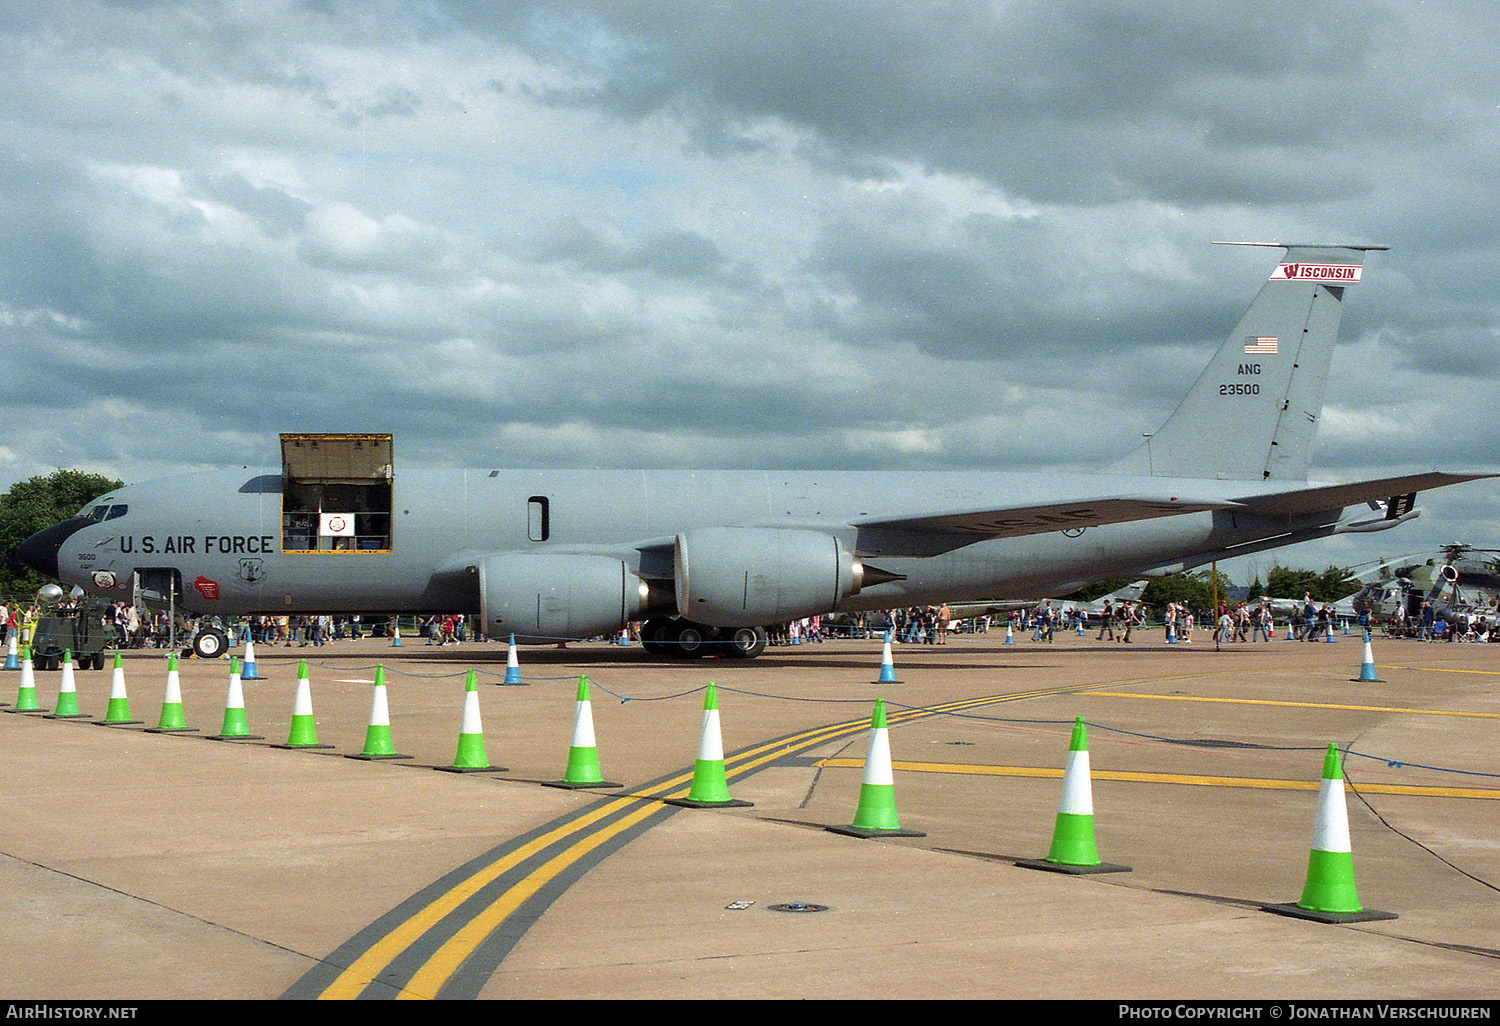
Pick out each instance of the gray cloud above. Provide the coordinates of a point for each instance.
(647, 233)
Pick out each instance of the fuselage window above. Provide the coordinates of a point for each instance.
(538, 518)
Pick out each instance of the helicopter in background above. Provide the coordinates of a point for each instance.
(1458, 580)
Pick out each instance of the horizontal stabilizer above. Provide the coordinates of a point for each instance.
(1015, 521)
(1325, 498)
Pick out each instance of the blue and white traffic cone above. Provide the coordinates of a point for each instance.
(887, 667)
(1010, 637)
(396, 633)
(12, 657)
(247, 667)
(1329, 894)
(1367, 668)
(512, 667)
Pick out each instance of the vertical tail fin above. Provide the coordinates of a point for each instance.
(1252, 414)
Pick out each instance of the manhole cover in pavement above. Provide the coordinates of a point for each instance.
(797, 906)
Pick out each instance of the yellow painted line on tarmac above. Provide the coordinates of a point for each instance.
(1296, 705)
(1191, 779)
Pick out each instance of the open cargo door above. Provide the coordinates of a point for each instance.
(336, 493)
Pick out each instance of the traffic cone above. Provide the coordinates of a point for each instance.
(471, 756)
(1367, 668)
(171, 720)
(1073, 849)
(1010, 638)
(583, 755)
(118, 712)
(1329, 894)
(12, 658)
(875, 816)
(304, 730)
(512, 668)
(248, 670)
(236, 726)
(395, 633)
(67, 693)
(26, 694)
(378, 733)
(887, 668)
(710, 788)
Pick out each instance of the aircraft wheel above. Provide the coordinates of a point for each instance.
(691, 640)
(746, 642)
(210, 643)
(656, 636)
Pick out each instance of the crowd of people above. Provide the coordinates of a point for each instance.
(1232, 623)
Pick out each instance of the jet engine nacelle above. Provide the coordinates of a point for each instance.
(545, 597)
(747, 576)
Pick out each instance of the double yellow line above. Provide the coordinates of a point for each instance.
(586, 835)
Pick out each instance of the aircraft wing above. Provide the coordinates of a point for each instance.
(1333, 497)
(1033, 518)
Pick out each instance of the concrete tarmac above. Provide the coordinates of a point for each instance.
(138, 865)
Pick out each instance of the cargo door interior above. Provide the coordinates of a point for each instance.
(336, 493)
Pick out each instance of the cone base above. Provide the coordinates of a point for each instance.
(235, 737)
(118, 723)
(1366, 680)
(1295, 910)
(1070, 869)
(694, 803)
(887, 680)
(372, 757)
(66, 716)
(858, 831)
(171, 730)
(295, 747)
(26, 709)
(470, 769)
(572, 785)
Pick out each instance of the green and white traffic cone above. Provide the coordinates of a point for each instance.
(304, 730)
(236, 723)
(512, 668)
(471, 756)
(1073, 849)
(172, 720)
(710, 787)
(118, 712)
(67, 693)
(1329, 895)
(583, 754)
(1367, 668)
(26, 701)
(378, 734)
(875, 816)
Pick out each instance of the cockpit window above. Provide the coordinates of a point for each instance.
(99, 514)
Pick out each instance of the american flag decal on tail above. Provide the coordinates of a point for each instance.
(1261, 346)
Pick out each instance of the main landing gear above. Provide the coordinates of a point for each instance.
(688, 640)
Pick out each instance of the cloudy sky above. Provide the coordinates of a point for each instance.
(658, 233)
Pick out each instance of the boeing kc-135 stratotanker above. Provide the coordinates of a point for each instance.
(707, 559)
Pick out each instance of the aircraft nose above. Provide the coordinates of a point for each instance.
(40, 550)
